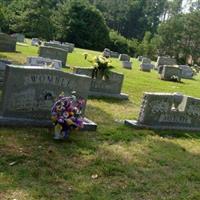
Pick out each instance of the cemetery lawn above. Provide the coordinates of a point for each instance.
(115, 162)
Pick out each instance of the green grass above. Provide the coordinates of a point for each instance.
(129, 163)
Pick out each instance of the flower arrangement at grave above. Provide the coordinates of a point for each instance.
(66, 115)
(101, 67)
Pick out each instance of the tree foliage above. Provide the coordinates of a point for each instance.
(82, 24)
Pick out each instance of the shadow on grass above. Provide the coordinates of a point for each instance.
(49, 170)
(178, 134)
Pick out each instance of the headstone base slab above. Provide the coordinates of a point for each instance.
(21, 122)
(121, 96)
(136, 124)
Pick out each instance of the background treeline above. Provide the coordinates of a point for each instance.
(137, 27)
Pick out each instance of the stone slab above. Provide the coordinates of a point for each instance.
(136, 124)
(24, 122)
(121, 96)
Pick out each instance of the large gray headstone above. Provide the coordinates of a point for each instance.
(168, 111)
(7, 43)
(171, 73)
(53, 53)
(29, 92)
(104, 88)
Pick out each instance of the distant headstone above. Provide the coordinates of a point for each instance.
(53, 53)
(29, 92)
(56, 45)
(20, 37)
(104, 88)
(140, 58)
(40, 61)
(124, 57)
(35, 42)
(114, 54)
(3, 64)
(146, 65)
(171, 73)
(168, 111)
(164, 61)
(187, 72)
(7, 43)
(127, 64)
(146, 60)
(106, 53)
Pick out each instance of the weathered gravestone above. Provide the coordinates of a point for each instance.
(124, 57)
(104, 88)
(71, 46)
(168, 111)
(164, 61)
(171, 73)
(29, 93)
(127, 64)
(7, 43)
(40, 61)
(106, 53)
(114, 54)
(56, 45)
(19, 36)
(53, 53)
(146, 65)
(140, 58)
(35, 42)
(3, 64)
(187, 72)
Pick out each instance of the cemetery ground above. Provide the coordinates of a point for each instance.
(115, 162)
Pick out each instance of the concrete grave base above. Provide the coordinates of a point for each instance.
(121, 96)
(136, 124)
(24, 122)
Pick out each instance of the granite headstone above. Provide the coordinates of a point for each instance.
(7, 43)
(168, 111)
(53, 53)
(29, 92)
(104, 88)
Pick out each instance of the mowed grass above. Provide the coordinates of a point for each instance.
(115, 162)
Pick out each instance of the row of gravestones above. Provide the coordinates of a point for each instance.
(167, 68)
(29, 93)
(124, 58)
